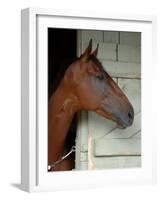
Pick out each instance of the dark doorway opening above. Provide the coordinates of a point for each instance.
(62, 50)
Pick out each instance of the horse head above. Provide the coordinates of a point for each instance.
(96, 91)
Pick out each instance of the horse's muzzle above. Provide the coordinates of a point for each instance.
(126, 119)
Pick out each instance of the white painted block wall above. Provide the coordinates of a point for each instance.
(120, 54)
(129, 53)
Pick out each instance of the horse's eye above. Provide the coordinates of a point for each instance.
(100, 76)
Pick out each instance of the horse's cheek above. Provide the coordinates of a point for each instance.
(88, 95)
(88, 100)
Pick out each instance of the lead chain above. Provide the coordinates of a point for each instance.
(62, 158)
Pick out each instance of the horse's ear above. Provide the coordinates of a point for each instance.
(95, 52)
(87, 51)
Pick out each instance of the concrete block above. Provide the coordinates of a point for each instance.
(117, 162)
(111, 36)
(122, 69)
(128, 53)
(118, 147)
(130, 38)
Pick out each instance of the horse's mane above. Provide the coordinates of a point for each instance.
(60, 73)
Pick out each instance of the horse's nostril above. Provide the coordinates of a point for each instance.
(130, 115)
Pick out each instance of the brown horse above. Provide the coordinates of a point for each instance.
(85, 86)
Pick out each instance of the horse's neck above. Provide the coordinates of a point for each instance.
(61, 110)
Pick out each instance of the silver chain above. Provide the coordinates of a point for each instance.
(62, 158)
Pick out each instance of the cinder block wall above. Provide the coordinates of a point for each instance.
(120, 54)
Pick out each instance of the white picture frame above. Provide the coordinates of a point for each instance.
(34, 176)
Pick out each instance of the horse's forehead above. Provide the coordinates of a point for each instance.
(80, 67)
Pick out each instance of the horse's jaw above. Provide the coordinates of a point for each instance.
(119, 123)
